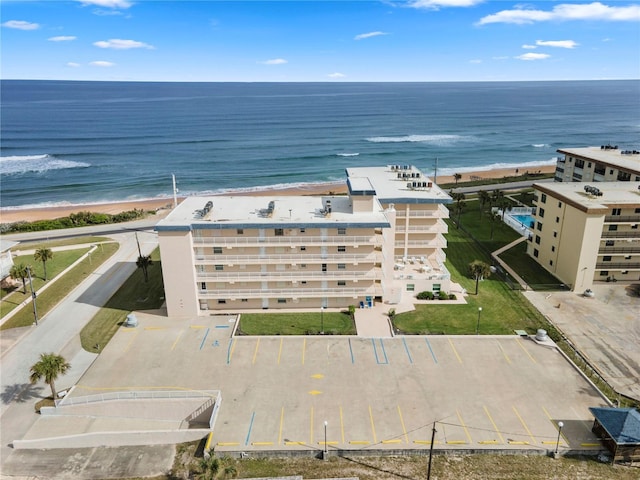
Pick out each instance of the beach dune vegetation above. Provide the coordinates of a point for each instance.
(80, 219)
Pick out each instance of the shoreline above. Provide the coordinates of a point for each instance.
(30, 214)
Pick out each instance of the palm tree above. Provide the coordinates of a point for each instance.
(42, 255)
(49, 367)
(21, 271)
(479, 270)
(212, 468)
(456, 177)
(143, 262)
(483, 199)
(458, 198)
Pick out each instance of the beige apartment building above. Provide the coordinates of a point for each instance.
(295, 252)
(585, 233)
(605, 163)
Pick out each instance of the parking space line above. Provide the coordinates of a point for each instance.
(426, 442)
(155, 328)
(466, 430)
(431, 350)
(295, 443)
(455, 351)
(353, 360)
(232, 345)
(406, 349)
(341, 424)
(329, 442)
(506, 357)
(255, 352)
(515, 410)
(280, 429)
(197, 327)
(304, 347)
(404, 430)
(495, 427)
(204, 339)
(394, 440)
(280, 350)
(246, 441)
(359, 442)
(176, 341)
(373, 427)
(525, 350)
(555, 425)
(228, 444)
(207, 446)
(222, 326)
(375, 351)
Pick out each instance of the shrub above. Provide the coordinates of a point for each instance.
(443, 296)
(425, 296)
(452, 296)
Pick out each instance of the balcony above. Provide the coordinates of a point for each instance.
(623, 234)
(438, 242)
(369, 290)
(441, 212)
(292, 275)
(347, 240)
(614, 250)
(618, 266)
(622, 219)
(298, 258)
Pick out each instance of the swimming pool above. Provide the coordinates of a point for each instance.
(526, 220)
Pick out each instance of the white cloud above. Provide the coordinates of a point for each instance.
(105, 13)
(475, 61)
(436, 4)
(73, 64)
(62, 38)
(108, 3)
(336, 75)
(274, 61)
(557, 43)
(529, 47)
(590, 11)
(21, 25)
(119, 44)
(533, 56)
(362, 36)
(102, 63)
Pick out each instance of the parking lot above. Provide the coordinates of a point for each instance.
(503, 392)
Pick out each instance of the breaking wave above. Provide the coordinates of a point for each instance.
(18, 164)
(347, 154)
(441, 140)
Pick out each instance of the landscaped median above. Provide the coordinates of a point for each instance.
(297, 323)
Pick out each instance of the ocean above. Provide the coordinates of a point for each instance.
(86, 142)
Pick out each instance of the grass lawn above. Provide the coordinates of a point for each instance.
(134, 294)
(530, 270)
(308, 323)
(60, 243)
(503, 310)
(61, 288)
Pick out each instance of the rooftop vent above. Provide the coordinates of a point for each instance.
(205, 210)
(327, 208)
(592, 191)
(271, 208)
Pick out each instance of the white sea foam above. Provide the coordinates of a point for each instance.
(347, 154)
(441, 140)
(540, 145)
(17, 164)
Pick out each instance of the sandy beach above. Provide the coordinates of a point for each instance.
(48, 213)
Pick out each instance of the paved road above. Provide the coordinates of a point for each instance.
(58, 332)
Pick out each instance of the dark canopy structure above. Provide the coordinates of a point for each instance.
(619, 429)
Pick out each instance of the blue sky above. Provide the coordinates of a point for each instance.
(413, 40)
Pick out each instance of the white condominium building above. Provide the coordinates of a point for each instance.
(295, 252)
(605, 163)
(587, 232)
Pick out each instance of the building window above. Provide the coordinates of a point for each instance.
(303, 265)
(302, 249)
(599, 169)
(219, 268)
(303, 230)
(541, 212)
(240, 231)
(410, 287)
(538, 239)
(616, 211)
(637, 210)
(609, 243)
(543, 198)
(555, 234)
(559, 204)
(342, 248)
(282, 300)
(197, 233)
(222, 301)
(203, 286)
(551, 262)
(539, 226)
(624, 272)
(610, 172)
(342, 266)
(303, 282)
(324, 267)
(535, 252)
(613, 228)
(244, 300)
(342, 231)
(342, 283)
(279, 232)
(606, 258)
(627, 257)
(604, 273)
(579, 163)
(553, 248)
(634, 226)
(557, 219)
(217, 249)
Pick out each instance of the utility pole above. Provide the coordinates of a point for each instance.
(175, 191)
(138, 242)
(435, 172)
(33, 296)
(433, 437)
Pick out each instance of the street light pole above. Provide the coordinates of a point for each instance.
(478, 324)
(321, 320)
(326, 452)
(33, 296)
(560, 425)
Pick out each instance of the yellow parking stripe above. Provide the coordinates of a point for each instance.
(555, 424)
(395, 440)
(341, 424)
(255, 352)
(280, 350)
(524, 425)
(525, 350)
(281, 423)
(506, 357)
(466, 431)
(177, 339)
(359, 442)
(373, 427)
(227, 444)
(295, 443)
(455, 351)
(404, 430)
(495, 427)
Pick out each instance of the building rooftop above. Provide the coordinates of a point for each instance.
(596, 197)
(623, 424)
(398, 184)
(620, 158)
(221, 212)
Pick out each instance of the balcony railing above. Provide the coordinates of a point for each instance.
(624, 234)
(613, 250)
(289, 275)
(232, 294)
(617, 266)
(622, 219)
(441, 212)
(289, 241)
(438, 242)
(299, 258)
